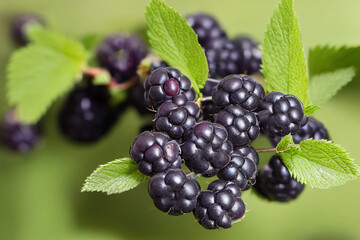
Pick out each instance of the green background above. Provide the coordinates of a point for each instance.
(40, 192)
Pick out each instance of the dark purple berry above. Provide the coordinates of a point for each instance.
(241, 125)
(86, 116)
(223, 58)
(281, 114)
(121, 54)
(242, 168)
(275, 183)
(206, 148)
(220, 205)
(251, 54)
(174, 192)
(155, 152)
(210, 84)
(205, 27)
(19, 27)
(18, 136)
(207, 106)
(176, 116)
(312, 129)
(164, 83)
(238, 90)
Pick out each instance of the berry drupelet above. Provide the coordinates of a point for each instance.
(174, 192)
(251, 54)
(220, 205)
(164, 83)
(155, 152)
(206, 148)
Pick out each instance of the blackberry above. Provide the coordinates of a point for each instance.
(241, 125)
(275, 183)
(210, 84)
(281, 114)
(206, 28)
(164, 83)
(251, 54)
(223, 58)
(174, 192)
(121, 54)
(20, 24)
(18, 136)
(86, 116)
(155, 152)
(312, 129)
(220, 205)
(176, 116)
(238, 90)
(206, 148)
(242, 168)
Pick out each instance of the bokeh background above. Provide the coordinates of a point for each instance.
(40, 192)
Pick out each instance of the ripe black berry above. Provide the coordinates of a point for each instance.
(86, 115)
(205, 27)
(174, 192)
(121, 54)
(18, 136)
(281, 114)
(223, 58)
(207, 106)
(220, 205)
(242, 168)
(210, 84)
(238, 90)
(275, 183)
(312, 129)
(155, 152)
(251, 54)
(19, 27)
(206, 148)
(164, 83)
(241, 125)
(176, 116)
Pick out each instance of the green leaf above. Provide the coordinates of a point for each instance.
(90, 41)
(319, 163)
(176, 43)
(323, 59)
(283, 56)
(324, 86)
(42, 71)
(310, 109)
(114, 177)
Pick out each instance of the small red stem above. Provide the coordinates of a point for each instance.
(266, 150)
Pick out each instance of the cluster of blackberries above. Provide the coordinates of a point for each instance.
(225, 56)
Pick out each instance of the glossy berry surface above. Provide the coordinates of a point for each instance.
(174, 192)
(281, 114)
(176, 116)
(275, 183)
(242, 168)
(223, 58)
(312, 129)
(155, 152)
(206, 28)
(238, 90)
(121, 54)
(210, 84)
(207, 106)
(241, 125)
(219, 205)
(251, 54)
(86, 116)
(18, 136)
(164, 83)
(19, 25)
(206, 148)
